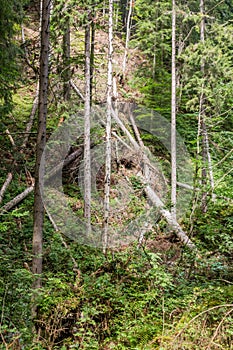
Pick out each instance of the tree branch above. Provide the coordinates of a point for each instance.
(5, 185)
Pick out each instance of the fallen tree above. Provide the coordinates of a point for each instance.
(165, 213)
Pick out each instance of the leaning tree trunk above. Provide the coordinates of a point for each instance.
(40, 145)
(108, 131)
(173, 116)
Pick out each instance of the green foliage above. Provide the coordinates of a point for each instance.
(11, 14)
(152, 36)
(102, 303)
(153, 29)
(218, 234)
(217, 82)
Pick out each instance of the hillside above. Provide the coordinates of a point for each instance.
(162, 278)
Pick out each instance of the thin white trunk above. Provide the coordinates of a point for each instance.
(205, 140)
(173, 114)
(127, 37)
(202, 28)
(108, 131)
(202, 117)
(87, 127)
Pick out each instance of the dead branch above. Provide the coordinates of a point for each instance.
(17, 199)
(10, 137)
(78, 92)
(5, 185)
(192, 188)
(8, 206)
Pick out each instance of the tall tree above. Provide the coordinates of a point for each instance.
(108, 131)
(38, 216)
(206, 158)
(87, 126)
(173, 113)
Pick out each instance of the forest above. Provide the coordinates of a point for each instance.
(116, 174)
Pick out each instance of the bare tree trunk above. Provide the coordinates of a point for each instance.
(108, 131)
(87, 126)
(92, 58)
(173, 116)
(66, 60)
(127, 37)
(210, 168)
(40, 145)
(202, 117)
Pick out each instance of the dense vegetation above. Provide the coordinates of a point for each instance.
(151, 292)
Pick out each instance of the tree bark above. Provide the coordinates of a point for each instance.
(108, 131)
(38, 214)
(92, 58)
(87, 127)
(173, 116)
